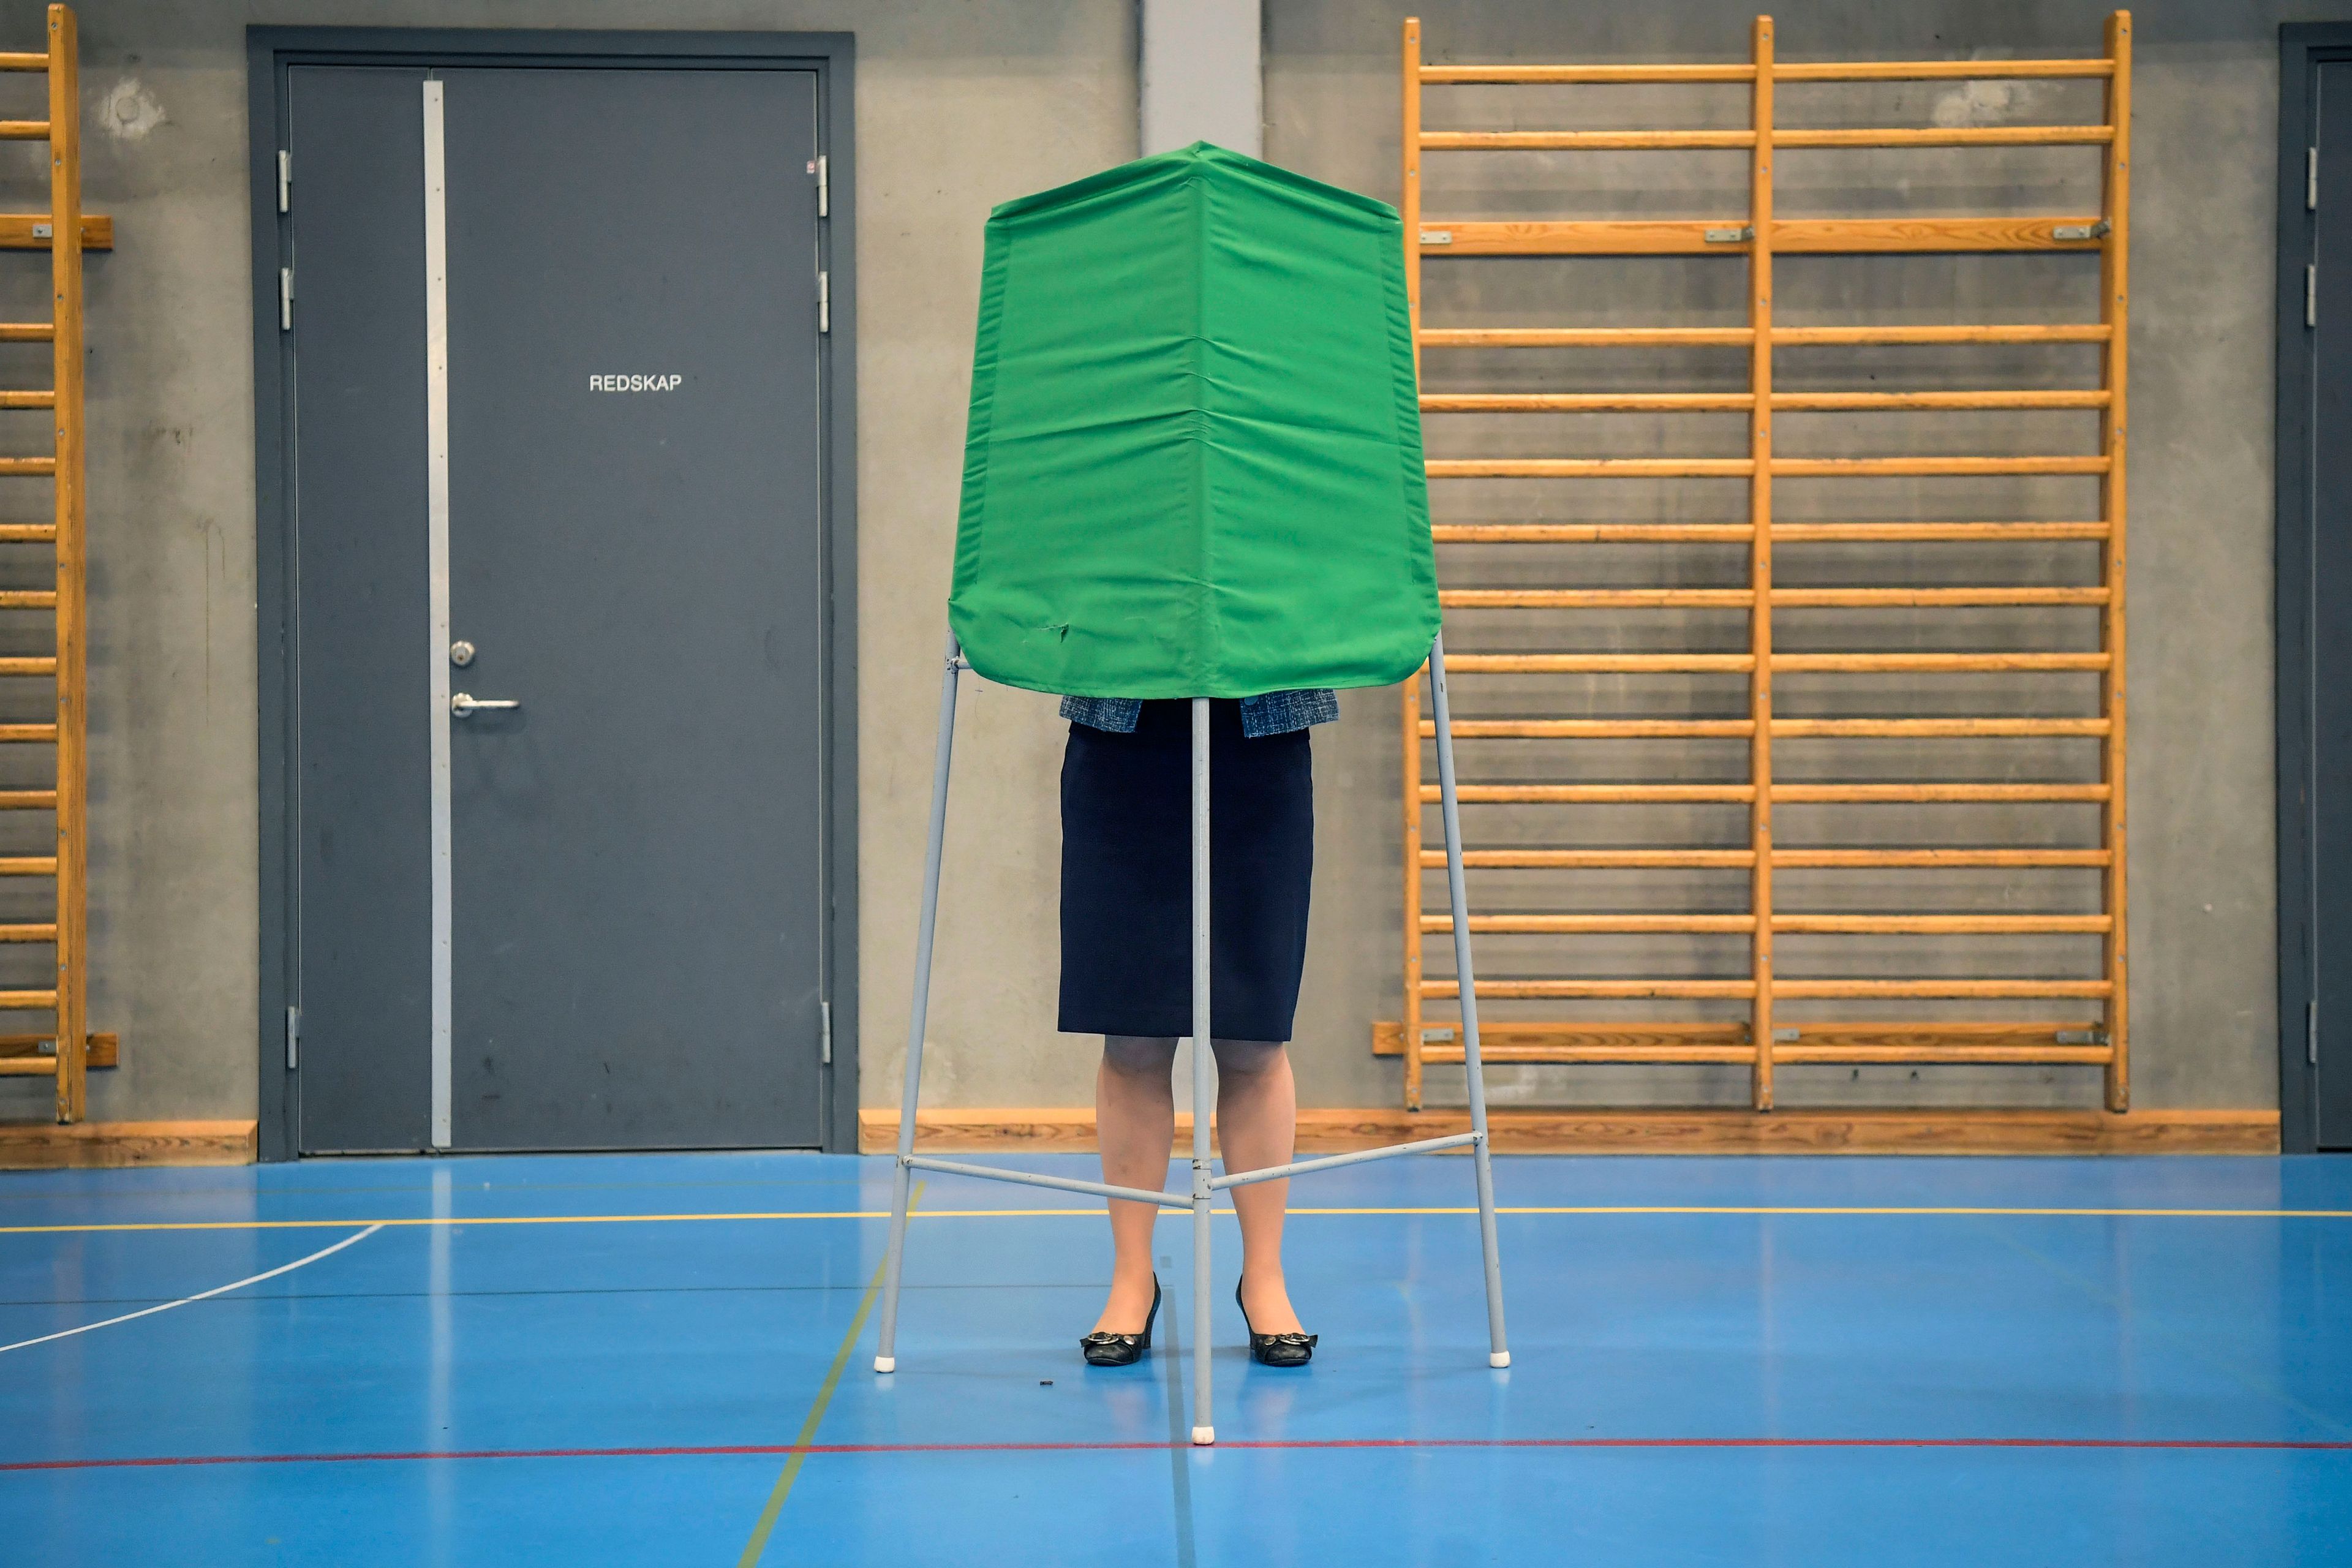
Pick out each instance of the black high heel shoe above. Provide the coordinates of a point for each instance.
(1275, 1350)
(1122, 1350)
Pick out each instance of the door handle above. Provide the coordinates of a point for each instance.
(462, 705)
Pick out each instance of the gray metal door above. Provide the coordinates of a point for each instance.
(2331, 595)
(557, 446)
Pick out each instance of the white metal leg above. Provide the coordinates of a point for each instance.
(911, 1094)
(1204, 1427)
(1499, 1350)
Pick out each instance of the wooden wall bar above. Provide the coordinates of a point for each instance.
(2089, 1024)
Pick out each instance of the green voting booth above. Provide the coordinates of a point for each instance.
(1193, 470)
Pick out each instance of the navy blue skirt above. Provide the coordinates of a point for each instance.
(1126, 876)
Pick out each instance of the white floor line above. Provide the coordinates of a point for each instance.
(200, 1296)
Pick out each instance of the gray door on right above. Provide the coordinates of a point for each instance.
(2331, 595)
(561, 599)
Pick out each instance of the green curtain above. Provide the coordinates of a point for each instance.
(1195, 467)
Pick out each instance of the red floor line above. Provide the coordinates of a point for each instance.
(2225, 1445)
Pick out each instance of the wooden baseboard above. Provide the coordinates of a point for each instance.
(45, 1146)
(1603, 1132)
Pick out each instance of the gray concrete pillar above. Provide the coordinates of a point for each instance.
(1200, 77)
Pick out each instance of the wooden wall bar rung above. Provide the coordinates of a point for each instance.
(1782, 337)
(1892, 532)
(32, 231)
(1876, 467)
(1940, 925)
(1913, 729)
(1562, 924)
(1581, 337)
(1937, 989)
(1594, 729)
(1606, 990)
(1822, 337)
(1937, 859)
(1838, 401)
(1655, 141)
(1587, 403)
(1584, 467)
(1759, 1039)
(1597, 598)
(1937, 663)
(1731, 236)
(1722, 468)
(1930, 598)
(1592, 533)
(1593, 860)
(1940, 70)
(2033, 1054)
(1944, 794)
(1456, 76)
(1631, 794)
(1951, 136)
(1578, 141)
(1600, 663)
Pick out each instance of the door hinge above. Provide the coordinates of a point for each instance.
(293, 1037)
(824, 1032)
(2311, 1032)
(2311, 295)
(825, 301)
(2310, 180)
(286, 298)
(286, 181)
(824, 191)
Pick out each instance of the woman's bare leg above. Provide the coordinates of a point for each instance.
(1135, 1124)
(1257, 1126)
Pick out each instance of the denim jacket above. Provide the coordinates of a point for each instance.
(1275, 713)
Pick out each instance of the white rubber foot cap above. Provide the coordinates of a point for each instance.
(1499, 1358)
(886, 1363)
(1202, 1436)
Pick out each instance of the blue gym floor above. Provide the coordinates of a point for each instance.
(666, 1359)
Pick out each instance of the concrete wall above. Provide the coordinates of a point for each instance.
(961, 105)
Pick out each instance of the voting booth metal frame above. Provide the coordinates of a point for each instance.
(1767, 1039)
(1199, 1199)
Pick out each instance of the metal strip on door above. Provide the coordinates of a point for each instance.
(436, 416)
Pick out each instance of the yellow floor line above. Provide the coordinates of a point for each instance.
(758, 1545)
(1597, 1210)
